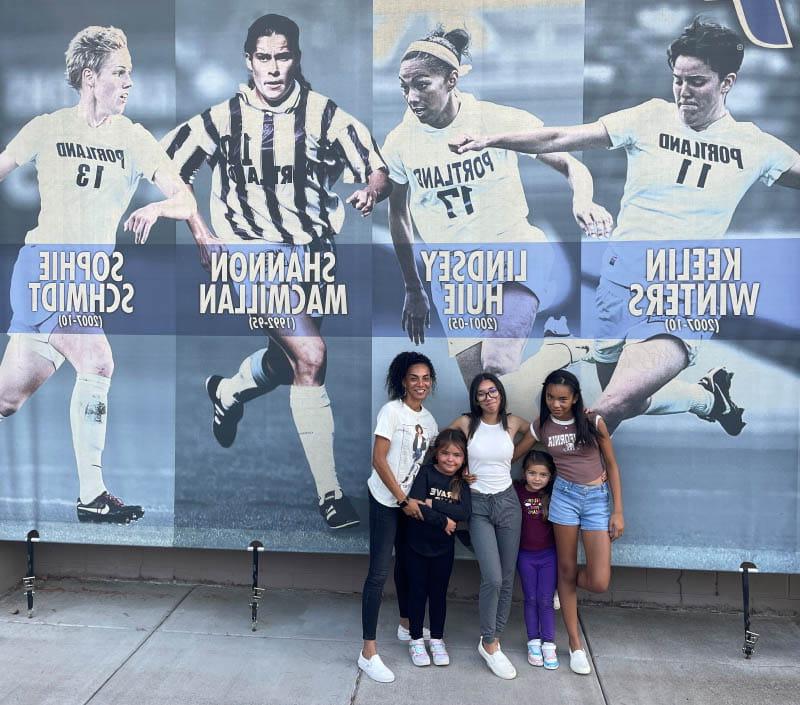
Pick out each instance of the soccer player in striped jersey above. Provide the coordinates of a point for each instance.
(275, 150)
(474, 204)
(668, 196)
(92, 158)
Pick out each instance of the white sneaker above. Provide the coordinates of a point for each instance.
(498, 662)
(556, 602)
(375, 669)
(439, 653)
(579, 663)
(535, 657)
(404, 635)
(549, 656)
(419, 656)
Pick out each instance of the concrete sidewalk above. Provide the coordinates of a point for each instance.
(134, 643)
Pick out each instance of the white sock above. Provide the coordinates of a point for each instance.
(311, 410)
(678, 397)
(87, 416)
(524, 385)
(242, 381)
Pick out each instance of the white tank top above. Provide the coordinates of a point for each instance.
(490, 451)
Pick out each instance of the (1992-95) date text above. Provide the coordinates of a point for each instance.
(475, 323)
(271, 322)
(80, 320)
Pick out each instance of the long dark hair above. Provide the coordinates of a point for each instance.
(585, 431)
(455, 437)
(266, 26)
(398, 369)
(456, 40)
(475, 411)
(539, 457)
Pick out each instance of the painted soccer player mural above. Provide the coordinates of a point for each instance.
(89, 160)
(297, 143)
(689, 164)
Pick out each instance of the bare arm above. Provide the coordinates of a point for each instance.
(791, 177)
(378, 187)
(7, 164)
(179, 205)
(539, 141)
(207, 242)
(524, 444)
(616, 524)
(380, 452)
(593, 219)
(416, 307)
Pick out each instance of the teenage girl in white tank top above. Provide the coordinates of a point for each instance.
(496, 520)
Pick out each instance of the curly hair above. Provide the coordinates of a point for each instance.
(398, 369)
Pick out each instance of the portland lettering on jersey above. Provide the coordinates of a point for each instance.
(707, 151)
(458, 172)
(100, 154)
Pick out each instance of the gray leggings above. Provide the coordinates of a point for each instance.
(494, 528)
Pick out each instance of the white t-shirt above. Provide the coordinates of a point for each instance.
(471, 197)
(409, 433)
(683, 184)
(490, 451)
(87, 175)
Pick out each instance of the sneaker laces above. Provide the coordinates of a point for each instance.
(111, 499)
(418, 649)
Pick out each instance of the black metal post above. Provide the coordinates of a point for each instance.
(255, 547)
(750, 637)
(29, 581)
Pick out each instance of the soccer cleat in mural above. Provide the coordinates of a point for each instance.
(337, 512)
(725, 410)
(225, 420)
(108, 509)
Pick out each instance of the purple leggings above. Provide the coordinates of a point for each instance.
(538, 571)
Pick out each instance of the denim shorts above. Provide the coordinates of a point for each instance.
(586, 506)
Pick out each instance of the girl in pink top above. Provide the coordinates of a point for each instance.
(581, 447)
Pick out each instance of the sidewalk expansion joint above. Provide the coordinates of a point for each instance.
(139, 645)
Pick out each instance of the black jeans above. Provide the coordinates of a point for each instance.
(386, 531)
(428, 578)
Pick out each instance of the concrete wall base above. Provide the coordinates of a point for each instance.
(770, 593)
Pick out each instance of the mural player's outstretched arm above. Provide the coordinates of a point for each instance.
(7, 164)
(592, 219)
(179, 204)
(541, 140)
(378, 187)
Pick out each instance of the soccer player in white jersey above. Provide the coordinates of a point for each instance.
(472, 202)
(689, 164)
(89, 160)
(275, 150)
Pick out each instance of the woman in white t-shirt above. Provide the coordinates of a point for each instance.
(496, 517)
(403, 432)
(476, 204)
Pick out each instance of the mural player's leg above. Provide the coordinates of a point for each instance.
(90, 355)
(306, 352)
(501, 353)
(22, 372)
(709, 399)
(642, 369)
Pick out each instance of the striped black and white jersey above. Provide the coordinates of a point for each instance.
(273, 168)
